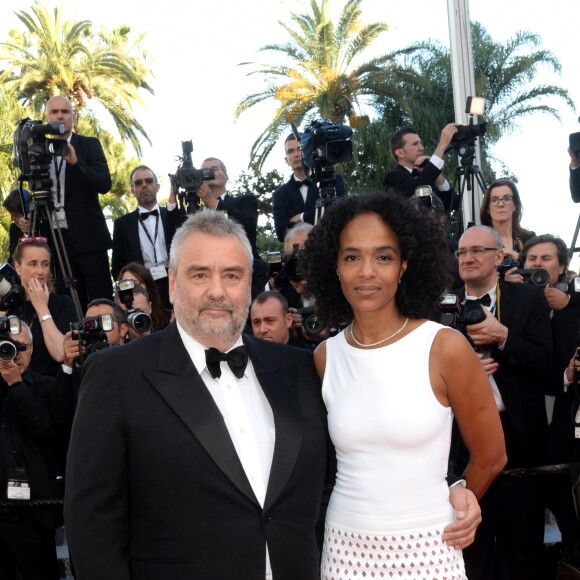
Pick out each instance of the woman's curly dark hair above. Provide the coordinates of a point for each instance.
(422, 243)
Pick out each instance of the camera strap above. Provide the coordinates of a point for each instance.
(57, 172)
(154, 239)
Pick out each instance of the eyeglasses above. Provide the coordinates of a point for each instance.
(506, 200)
(31, 239)
(475, 251)
(140, 182)
(292, 151)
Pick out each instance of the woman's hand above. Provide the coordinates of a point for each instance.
(38, 294)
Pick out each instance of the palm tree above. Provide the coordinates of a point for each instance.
(504, 75)
(60, 56)
(322, 77)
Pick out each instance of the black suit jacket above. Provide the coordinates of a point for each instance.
(83, 183)
(126, 241)
(155, 489)
(287, 201)
(575, 184)
(244, 209)
(400, 180)
(524, 368)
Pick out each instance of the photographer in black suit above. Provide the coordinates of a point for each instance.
(29, 468)
(145, 235)
(414, 168)
(294, 202)
(78, 178)
(242, 208)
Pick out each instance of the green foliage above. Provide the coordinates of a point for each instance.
(323, 77)
(58, 56)
(262, 186)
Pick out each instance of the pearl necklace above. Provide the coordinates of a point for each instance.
(380, 341)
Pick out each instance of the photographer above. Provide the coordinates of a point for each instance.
(414, 168)
(551, 253)
(77, 349)
(516, 330)
(78, 178)
(144, 235)
(29, 469)
(294, 202)
(134, 300)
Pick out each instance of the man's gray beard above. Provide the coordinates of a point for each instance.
(227, 330)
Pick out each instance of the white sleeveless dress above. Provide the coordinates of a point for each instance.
(391, 500)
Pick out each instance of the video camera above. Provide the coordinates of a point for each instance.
(463, 141)
(188, 178)
(324, 144)
(536, 276)
(137, 320)
(33, 152)
(12, 294)
(9, 348)
(92, 333)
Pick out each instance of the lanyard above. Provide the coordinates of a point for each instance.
(57, 170)
(154, 240)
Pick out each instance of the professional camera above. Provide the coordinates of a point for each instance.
(572, 287)
(9, 348)
(33, 152)
(284, 268)
(311, 322)
(92, 332)
(536, 276)
(137, 320)
(12, 294)
(325, 144)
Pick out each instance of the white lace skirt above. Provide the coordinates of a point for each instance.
(349, 554)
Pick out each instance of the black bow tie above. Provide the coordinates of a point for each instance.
(485, 300)
(145, 214)
(306, 182)
(236, 358)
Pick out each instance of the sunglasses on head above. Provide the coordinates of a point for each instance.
(30, 239)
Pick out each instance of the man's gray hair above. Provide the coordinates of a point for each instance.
(213, 223)
(496, 235)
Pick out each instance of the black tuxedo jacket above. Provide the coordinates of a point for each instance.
(575, 184)
(244, 209)
(287, 201)
(524, 368)
(126, 241)
(401, 180)
(83, 183)
(563, 446)
(155, 489)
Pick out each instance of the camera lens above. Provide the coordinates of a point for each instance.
(139, 322)
(540, 277)
(7, 350)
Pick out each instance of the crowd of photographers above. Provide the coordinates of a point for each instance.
(521, 314)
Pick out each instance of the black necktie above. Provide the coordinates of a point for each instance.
(145, 214)
(485, 300)
(236, 358)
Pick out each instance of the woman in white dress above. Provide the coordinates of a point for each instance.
(392, 383)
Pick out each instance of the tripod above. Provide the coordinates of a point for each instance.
(467, 175)
(42, 212)
(325, 177)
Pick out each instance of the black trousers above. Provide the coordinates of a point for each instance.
(28, 549)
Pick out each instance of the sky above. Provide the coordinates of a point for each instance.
(196, 48)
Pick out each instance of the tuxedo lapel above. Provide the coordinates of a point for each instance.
(181, 387)
(279, 383)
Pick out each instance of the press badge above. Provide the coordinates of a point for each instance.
(158, 272)
(18, 485)
(577, 421)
